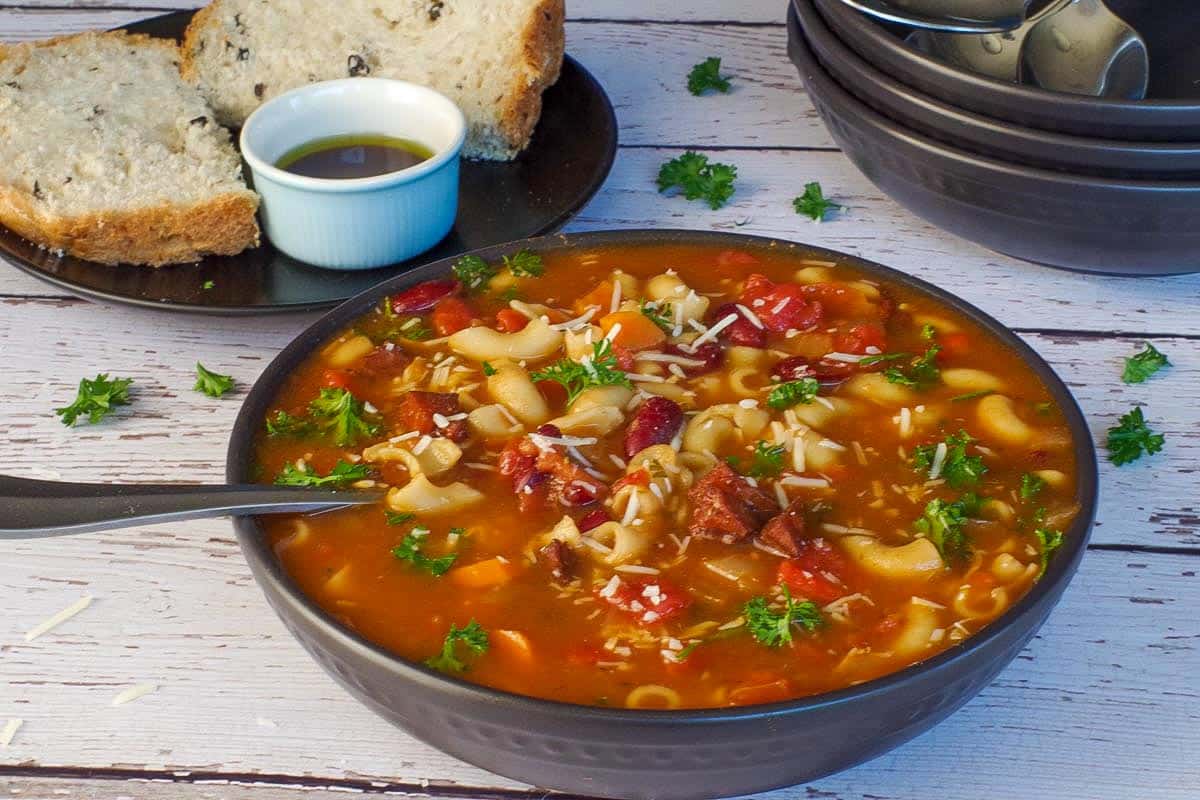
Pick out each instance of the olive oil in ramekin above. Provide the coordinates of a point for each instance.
(353, 156)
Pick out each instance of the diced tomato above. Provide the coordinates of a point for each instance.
(583, 654)
(648, 600)
(954, 345)
(780, 306)
(422, 297)
(806, 574)
(451, 315)
(637, 478)
(509, 320)
(736, 258)
(840, 300)
(857, 338)
(336, 379)
(592, 519)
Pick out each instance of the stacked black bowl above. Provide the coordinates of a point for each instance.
(1082, 182)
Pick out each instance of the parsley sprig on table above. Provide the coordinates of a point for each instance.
(341, 474)
(599, 369)
(1141, 366)
(472, 637)
(1132, 438)
(921, 373)
(944, 524)
(959, 469)
(211, 383)
(793, 393)
(774, 628)
(96, 399)
(813, 203)
(707, 75)
(410, 550)
(339, 413)
(697, 179)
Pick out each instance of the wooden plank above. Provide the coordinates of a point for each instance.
(744, 11)
(643, 67)
(1101, 705)
(1024, 295)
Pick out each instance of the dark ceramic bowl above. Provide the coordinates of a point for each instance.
(659, 754)
(1170, 113)
(986, 135)
(1086, 223)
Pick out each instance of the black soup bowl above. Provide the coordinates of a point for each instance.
(654, 754)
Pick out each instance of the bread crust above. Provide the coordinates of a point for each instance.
(167, 233)
(152, 236)
(190, 43)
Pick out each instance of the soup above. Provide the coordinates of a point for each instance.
(669, 476)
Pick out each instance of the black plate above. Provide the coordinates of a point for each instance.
(567, 160)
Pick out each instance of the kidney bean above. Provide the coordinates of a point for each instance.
(711, 353)
(656, 421)
(792, 368)
(549, 430)
(592, 520)
(422, 297)
(743, 332)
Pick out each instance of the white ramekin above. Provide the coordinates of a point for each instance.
(362, 222)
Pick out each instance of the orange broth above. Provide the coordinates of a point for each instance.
(877, 592)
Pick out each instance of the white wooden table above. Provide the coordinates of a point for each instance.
(1103, 704)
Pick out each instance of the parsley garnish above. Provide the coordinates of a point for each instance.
(1141, 366)
(410, 550)
(944, 524)
(972, 395)
(398, 517)
(880, 358)
(211, 383)
(600, 369)
(414, 329)
(928, 332)
(697, 179)
(766, 461)
(659, 315)
(96, 399)
(473, 272)
(208, 285)
(1132, 438)
(472, 636)
(339, 413)
(1048, 542)
(525, 264)
(774, 628)
(922, 373)
(488, 369)
(1031, 486)
(793, 393)
(284, 424)
(707, 75)
(682, 655)
(813, 203)
(959, 469)
(341, 474)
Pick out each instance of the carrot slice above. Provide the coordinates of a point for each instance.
(637, 331)
(483, 574)
(600, 295)
(514, 645)
(509, 320)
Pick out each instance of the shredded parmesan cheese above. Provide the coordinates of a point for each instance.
(712, 332)
(133, 693)
(750, 315)
(10, 730)
(58, 619)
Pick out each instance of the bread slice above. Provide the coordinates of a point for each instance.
(491, 57)
(108, 154)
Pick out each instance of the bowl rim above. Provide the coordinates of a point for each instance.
(268, 571)
(1065, 179)
(381, 87)
(977, 124)
(1012, 92)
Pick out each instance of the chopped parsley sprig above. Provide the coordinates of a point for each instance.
(707, 75)
(1141, 366)
(211, 383)
(813, 203)
(410, 550)
(281, 423)
(959, 469)
(1132, 438)
(697, 179)
(598, 369)
(96, 399)
(339, 413)
(1048, 542)
(765, 462)
(341, 475)
(473, 272)
(474, 641)
(944, 524)
(774, 628)
(921, 372)
(793, 393)
(660, 314)
(1031, 486)
(524, 264)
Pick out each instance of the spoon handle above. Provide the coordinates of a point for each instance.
(34, 509)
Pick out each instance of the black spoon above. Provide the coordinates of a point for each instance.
(31, 509)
